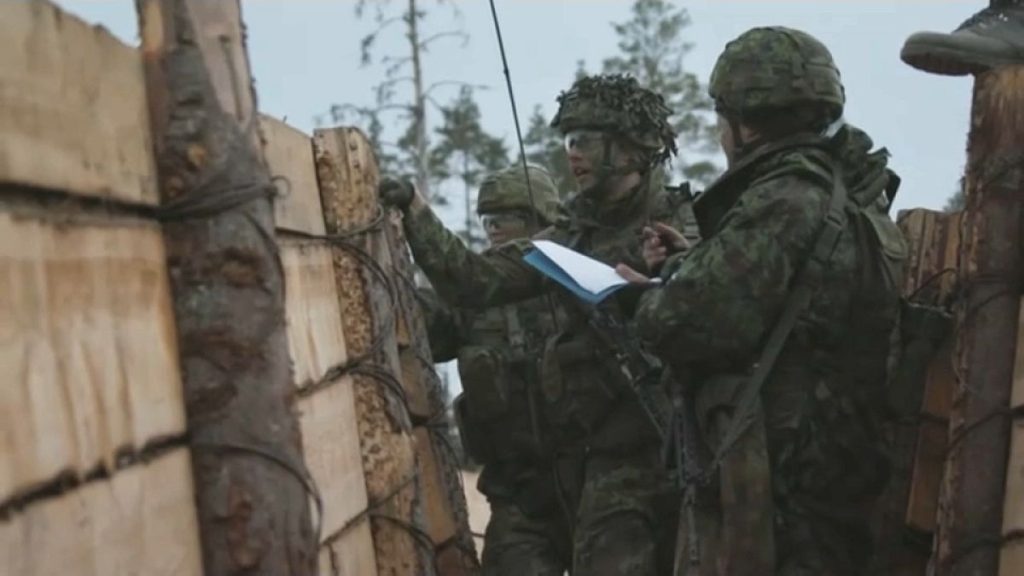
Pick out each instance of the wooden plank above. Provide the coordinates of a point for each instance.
(447, 515)
(330, 443)
(351, 554)
(87, 342)
(440, 517)
(140, 522)
(289, 153)
(347, 173)
(1011, 557)
(73, 112)
(316, 342)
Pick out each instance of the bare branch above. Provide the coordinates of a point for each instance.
(450, 34)
(459, 83)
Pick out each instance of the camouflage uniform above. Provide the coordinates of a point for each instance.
(498, 412)
(793, 497)
(608, 458)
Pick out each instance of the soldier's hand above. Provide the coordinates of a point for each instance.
(396, 193)
(660, 242)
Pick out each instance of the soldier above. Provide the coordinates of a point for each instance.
(498, 414)
(608, 461)
(778, 323)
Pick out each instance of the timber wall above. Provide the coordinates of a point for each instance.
(95, 467)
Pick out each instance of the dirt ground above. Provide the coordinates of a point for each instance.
(479, 510)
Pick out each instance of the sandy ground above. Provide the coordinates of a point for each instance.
(479, 510)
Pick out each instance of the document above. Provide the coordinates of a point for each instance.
(589, 279)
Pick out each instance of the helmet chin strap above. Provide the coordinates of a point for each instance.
(607, 171)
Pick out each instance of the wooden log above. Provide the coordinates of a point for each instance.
(347, 173)
(289, 153)
(316, 343)
(141, 521)
(251, 491)
(87, 343)
(1011, 557)
(349, 553)
(447, 511)
(970, 525)
(73, 115)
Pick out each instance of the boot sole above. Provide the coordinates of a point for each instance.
(961, 55)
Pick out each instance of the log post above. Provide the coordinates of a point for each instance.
(347, 173)
(970, 522)
(227, 285)
(447, 511)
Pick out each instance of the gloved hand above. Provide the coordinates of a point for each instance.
(396, 193)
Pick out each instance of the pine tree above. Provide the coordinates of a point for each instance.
(404, 98)
(544, 147)
(652, 48)
(466, 153)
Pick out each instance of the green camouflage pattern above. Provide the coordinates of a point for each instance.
(617, 103)
(590, 410)
(507, 191)
(709, 321)
(516, 544)
(775, 67)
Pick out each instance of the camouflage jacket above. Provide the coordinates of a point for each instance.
(584, 398)
(710, 319)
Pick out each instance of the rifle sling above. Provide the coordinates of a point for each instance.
(797, 301)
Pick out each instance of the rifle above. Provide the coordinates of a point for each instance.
(690, 473)
(640, 370)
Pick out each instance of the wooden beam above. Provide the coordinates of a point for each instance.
(970, 526)
(348, 176)
(140, 521)
(89, 350)
(1011, 557)
(447, 511)
(74, 114)
(228, 291)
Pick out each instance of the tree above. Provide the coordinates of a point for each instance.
(652, 49)
(466, 153)
(544, 147)
(404, 94)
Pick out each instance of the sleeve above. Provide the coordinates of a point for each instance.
(465, 278)
(720, 299)
(445, 326)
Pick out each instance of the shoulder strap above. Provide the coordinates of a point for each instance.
(797, 301)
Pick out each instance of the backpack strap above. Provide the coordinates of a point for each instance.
(799, 298)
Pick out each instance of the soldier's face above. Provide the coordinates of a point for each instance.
(726, 139)
(586, 150)
(502, 227)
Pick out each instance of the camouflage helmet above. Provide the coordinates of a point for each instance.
(617, 103)
(506, 190)
(775, 67)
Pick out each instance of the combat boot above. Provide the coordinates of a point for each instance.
(992, 38)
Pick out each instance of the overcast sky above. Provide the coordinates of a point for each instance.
(305, 57)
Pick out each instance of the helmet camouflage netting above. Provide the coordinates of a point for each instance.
(617, 103)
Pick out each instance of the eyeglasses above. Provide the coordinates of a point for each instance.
(583, 140)
(502, 220)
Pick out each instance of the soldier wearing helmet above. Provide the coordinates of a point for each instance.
(777, 325)
(606, 451)
(499, 421)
